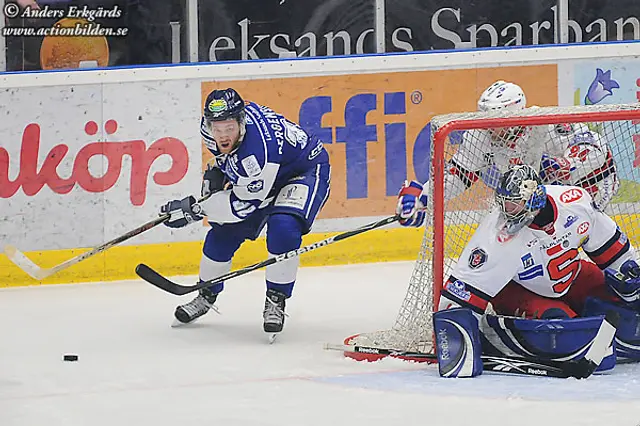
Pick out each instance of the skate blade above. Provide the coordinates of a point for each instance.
(272, 337)
(179, 324)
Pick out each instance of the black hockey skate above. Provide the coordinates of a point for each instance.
(273, 314)
(193, 310)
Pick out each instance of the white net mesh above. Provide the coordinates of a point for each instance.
(596, 147)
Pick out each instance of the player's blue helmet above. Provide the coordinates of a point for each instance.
(223, 105)
(520, 196)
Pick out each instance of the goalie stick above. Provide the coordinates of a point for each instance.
(148, 274)
(39, 273)
(580, 369)
(507, 365)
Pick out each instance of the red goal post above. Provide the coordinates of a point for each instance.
(449, 223)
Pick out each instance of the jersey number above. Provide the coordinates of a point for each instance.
(564, 269)
(580, 152)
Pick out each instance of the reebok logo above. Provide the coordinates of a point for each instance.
(536, 372)
(368, 350)
(443, 345)
(301, 250)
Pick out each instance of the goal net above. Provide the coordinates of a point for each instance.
(459, 198)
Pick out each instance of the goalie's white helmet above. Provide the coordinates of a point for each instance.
(502, 95)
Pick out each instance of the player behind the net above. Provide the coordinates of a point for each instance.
(524, 259)
(267, 171)
(563, 154)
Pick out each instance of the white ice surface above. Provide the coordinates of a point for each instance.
(134, 369)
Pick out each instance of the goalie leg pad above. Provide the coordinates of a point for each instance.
(458, 343)
(544, 339)
(609, 360)
(627, 338)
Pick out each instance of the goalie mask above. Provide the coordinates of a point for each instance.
(520, 196)
(225, 119)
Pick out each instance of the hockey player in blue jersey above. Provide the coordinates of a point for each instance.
(267, 171)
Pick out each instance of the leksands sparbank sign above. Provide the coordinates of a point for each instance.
(445, 28)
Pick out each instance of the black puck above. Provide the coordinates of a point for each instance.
(70, 357)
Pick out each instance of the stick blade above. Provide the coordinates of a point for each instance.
(522, 366)
(602, 341)
(152, 277)
(24, 263)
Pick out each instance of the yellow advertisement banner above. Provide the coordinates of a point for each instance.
(375, 126)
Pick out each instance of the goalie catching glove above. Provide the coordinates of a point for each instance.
(182, 212)
(626, 282)
(411, 204)
(555, 170)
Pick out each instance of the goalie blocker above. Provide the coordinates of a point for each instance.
(460, 344)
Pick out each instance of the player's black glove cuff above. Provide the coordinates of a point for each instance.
(213, 180)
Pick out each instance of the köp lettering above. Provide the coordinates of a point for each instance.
(31, 180)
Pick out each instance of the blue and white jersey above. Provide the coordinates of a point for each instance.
(273, 151)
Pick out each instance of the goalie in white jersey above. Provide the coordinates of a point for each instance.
(524, 259)
(566, 154)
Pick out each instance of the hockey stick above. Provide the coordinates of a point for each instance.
(579, 369)
(507, 365)
(39, 273)
(153, 277)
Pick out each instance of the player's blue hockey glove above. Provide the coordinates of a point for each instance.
(555, 170)
(411, 204)
(183, 212)
(626, 282)
(213, 180)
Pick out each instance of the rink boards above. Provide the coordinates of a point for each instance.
(89, 155)
(182, 258)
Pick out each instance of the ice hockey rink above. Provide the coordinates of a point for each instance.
(135, 369)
